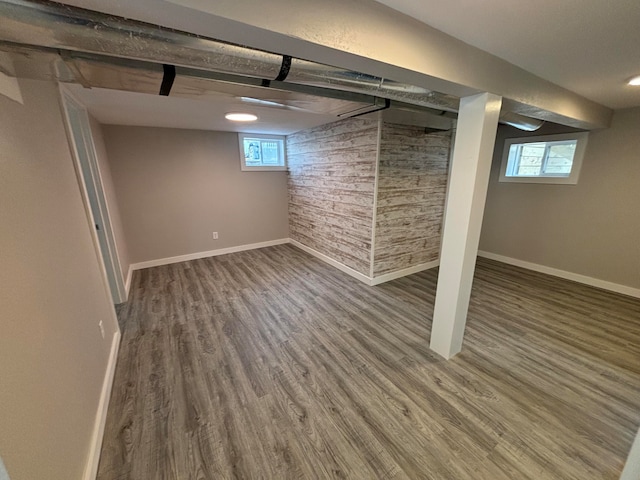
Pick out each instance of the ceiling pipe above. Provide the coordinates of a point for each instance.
(520, 121)
(48, 24)
(42, 23)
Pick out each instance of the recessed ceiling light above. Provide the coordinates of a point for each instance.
(241, 117)
(635, 81)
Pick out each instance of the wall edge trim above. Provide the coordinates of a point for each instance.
(91, 467)
(374, 213)
(576, 277)
(360, 276)
(209, 253)
(404, 272)
(334, 263)
(127, 282)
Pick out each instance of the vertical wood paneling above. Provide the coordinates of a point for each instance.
(411, 194)
(331, 189)
(332, 185)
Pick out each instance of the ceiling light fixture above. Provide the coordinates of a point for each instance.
(241, 117)
(635, 81)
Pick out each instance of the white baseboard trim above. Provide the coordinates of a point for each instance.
(360, 276)
(404, 272)
(210, 253)
(127, 282)
(576, 277)
(91, 468)
(334, 263)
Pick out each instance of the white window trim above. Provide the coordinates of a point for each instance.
(245, 168)
(572, 179)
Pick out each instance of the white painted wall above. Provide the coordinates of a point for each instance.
(53, 358)
(591, 228)
(176, 187)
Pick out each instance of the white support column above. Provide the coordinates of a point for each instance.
(632, 467)
(466, 195)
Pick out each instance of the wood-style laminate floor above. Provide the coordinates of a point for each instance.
(269, 364)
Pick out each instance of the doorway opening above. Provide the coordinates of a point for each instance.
(83, 149)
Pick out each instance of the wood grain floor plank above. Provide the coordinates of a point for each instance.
(269, 364)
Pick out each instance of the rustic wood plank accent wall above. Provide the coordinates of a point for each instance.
(332, 171)
(412, 181)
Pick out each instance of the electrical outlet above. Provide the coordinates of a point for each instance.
(101, 326)
(215, 235)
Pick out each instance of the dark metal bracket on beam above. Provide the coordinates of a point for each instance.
(386, 103)
(168, 79)
(284, 69)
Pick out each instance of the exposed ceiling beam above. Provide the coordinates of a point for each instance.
(367, 36)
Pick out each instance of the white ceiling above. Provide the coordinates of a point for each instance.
(588, 46)
(115, 107)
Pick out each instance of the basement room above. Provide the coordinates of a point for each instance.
(316, 240)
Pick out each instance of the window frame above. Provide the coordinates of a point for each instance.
(576, 166)
(263, 168)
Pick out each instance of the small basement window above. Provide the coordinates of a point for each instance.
(260, 152)
(543, 159)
